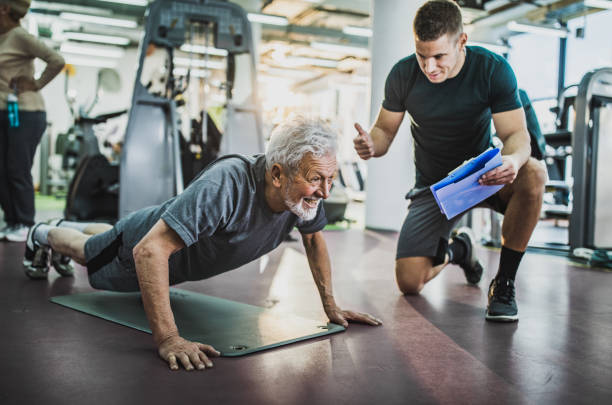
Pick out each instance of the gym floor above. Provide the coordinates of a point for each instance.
(432, 348)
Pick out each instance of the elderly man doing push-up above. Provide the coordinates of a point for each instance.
(238, 209)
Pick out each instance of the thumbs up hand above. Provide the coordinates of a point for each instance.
(363, 143)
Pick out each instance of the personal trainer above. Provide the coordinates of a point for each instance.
(451, 92)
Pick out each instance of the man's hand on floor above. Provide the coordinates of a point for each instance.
(191, 355)
(342, 317)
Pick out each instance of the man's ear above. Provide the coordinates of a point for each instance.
(462, 40)
(276, 172)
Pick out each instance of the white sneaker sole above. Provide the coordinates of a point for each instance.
(501, 318)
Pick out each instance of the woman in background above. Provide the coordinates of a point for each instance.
(22, 115)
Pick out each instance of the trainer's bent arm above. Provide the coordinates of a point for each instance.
(320, 266)
(511, 128)
(151, 256)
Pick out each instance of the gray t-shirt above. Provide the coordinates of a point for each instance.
(223, 219)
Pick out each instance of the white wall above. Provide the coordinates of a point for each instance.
(591, 52)
(390, 177)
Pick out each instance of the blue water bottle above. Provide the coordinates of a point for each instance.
(13, 110)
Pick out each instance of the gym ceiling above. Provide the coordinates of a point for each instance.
(307, 27)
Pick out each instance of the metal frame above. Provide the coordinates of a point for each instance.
(151, 170)
(595, 91)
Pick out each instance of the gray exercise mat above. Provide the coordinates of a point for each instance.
(233, 328)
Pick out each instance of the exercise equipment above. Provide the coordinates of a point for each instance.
(93, 189)
(151, 170)
(79, 142)
(591, 218)
(233, 328)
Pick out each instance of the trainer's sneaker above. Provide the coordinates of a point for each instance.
(470, 264)
(61, 264)
(502, 305)
(18, 233)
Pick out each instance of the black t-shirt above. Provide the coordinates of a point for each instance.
(451, 121)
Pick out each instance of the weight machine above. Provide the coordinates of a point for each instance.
(150, 171)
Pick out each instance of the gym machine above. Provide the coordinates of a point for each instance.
(151, 170)
(591, 218)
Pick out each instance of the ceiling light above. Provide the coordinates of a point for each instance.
(605, 4)
(105, 39)
(498, 48)
(203, 49)
(115, 22)
(85, 61)
(538, 29)
(268, 19)
(57, 6)
(357, 31)
(345, 49)
(199, 63)
(129, 2)
(102, 51)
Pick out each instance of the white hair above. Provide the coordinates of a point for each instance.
(293, 139)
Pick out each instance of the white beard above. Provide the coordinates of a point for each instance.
(305, 214)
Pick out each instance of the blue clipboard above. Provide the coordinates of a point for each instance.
(460, 190)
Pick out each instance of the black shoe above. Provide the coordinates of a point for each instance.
(502, 305)
(470, 264)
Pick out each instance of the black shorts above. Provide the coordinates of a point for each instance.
(426, 230)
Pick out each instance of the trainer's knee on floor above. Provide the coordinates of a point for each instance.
(409, 278)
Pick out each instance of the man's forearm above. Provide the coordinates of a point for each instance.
(152, 271)
(381, 140)
(518, 145)
(320, 266)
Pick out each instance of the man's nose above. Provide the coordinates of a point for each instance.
(324, 190)
(430, 65)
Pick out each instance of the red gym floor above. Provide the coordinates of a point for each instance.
(433, 348)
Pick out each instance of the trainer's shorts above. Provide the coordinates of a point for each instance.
(426, 230)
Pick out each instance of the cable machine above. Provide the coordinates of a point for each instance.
(591, 218)
(150, 170)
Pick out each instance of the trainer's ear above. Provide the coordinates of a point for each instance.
(276, 172)
(462, 40)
